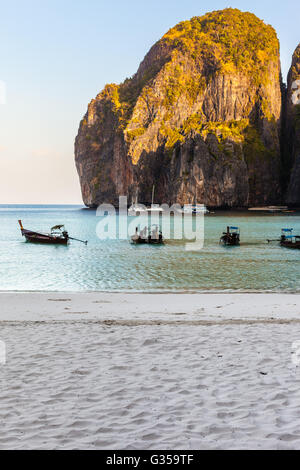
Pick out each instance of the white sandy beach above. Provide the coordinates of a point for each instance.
(149, 371)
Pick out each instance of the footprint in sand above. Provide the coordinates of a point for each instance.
(200, 310)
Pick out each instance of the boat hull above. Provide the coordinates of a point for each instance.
(293, 245)
(34, 237)
(229, 241)
(146, 241)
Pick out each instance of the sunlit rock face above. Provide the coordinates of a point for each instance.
(201, 119)
(293, 129)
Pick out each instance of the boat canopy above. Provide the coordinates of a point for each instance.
(287, 229)
(233, 228)
(57, 227)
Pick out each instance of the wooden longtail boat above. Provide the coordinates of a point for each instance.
(58, 235)
(231, 237)
(287, 239)
(148, 236)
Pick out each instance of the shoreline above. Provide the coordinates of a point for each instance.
(155, 292)
(148, 307)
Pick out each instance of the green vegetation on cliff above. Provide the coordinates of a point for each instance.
(227, 41)
(220, 42)
(241, 132)
(295, 68)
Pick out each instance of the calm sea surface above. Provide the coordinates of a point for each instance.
(116, 265)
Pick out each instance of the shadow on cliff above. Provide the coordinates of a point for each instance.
(226, 174)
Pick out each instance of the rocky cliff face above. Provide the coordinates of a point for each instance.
(292, 139)
(201, 117)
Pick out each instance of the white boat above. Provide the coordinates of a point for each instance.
(155, 209)
(269, 209)
(195, 209)
(136, 209)
(140, 209)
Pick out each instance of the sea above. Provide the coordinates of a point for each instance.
(116, 265)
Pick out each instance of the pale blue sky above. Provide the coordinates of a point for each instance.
(58, 54)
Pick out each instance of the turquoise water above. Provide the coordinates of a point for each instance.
(117, 265)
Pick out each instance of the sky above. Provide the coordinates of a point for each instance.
(56, 55)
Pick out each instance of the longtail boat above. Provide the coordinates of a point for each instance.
(58, 236)
(149, 235)
(231, 237)
(288, 239)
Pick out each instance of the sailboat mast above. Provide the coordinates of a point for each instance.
(153, 189)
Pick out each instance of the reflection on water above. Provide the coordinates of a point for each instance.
(118, 265)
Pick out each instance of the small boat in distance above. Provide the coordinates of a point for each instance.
(272, 209)
(195, 209)
(287, 239)
(139, 209)
(231, 237)
(149, 235)
(58, 236)
(155, 208)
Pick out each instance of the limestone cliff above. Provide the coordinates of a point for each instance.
(292, 139)
(200, 117)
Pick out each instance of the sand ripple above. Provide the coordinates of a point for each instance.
(92, 386)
